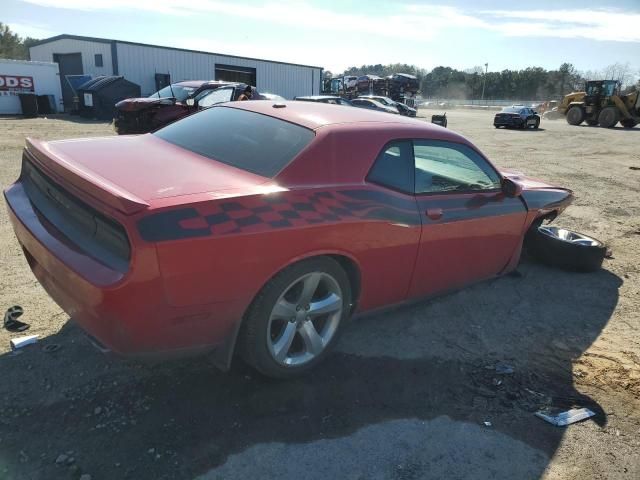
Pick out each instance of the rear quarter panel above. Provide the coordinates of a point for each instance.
(231, 248)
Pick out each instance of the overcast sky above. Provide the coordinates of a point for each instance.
(336, 35)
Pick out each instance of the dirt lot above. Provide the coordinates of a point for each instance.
(407, 393)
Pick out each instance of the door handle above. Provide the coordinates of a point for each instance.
(434, 213)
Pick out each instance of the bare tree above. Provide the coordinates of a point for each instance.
(477, 69)
(619, 71)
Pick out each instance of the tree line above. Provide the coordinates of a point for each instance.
(533, 83)
(13, 45)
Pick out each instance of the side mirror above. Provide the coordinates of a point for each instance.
(511, 188)
(191, 102)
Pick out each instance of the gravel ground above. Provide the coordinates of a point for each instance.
(407, 393)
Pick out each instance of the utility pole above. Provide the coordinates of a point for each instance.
(484, 82)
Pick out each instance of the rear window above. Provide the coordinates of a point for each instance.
(253, 142)
(511, 110)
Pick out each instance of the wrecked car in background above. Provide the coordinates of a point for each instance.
(143, 115)
(402, 108)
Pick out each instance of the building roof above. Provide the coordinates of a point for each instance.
(65, 36)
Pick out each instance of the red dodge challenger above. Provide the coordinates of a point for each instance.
(260, 227)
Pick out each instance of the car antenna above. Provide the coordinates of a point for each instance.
(170, 87)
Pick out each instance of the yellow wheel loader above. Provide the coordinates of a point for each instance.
(602, 104)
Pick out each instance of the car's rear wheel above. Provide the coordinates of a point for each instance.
(559, 247)
(295, 319)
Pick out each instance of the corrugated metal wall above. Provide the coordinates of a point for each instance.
(44, 53)
(140, 63)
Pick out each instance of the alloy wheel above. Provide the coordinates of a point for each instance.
(304, 319)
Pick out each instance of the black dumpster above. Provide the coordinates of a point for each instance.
(29, 104)
(98, 96)
(46, 104)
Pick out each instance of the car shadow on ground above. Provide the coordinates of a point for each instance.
(428, 361)
(523, 129)
(617, 128)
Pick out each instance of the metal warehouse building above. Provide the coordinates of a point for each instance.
(153, 66)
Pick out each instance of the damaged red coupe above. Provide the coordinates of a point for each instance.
(259, 228)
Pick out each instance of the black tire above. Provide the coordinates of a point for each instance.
(252, 341)
(592, 123)
(628, 122)
(537, 124)
(575, 115)
(608, 117)
(551, 250)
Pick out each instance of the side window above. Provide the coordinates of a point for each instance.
(394, 167)
(448, 167)
(216, 96)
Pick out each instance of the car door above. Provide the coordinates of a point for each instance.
(470, 228)
(394, 233)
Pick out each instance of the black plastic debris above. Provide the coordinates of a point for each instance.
(11, 321)
(440, 120)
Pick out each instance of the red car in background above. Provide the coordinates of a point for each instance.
(143, 115)
(260, 227)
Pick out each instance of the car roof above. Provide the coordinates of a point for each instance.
(318, 97)
(373, 97)
(317, 115)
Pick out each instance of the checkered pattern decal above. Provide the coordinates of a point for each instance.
(277, 211)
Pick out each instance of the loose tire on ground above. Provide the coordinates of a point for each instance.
(608, 117)
(263, 329)
(575, 115)
(628, 122)
(562, 248)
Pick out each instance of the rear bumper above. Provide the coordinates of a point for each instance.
(500, 122)
(127, 313)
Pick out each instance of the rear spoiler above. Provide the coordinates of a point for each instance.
(85, 180)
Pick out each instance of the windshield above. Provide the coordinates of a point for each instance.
(181, 93)
(511, 110)
(250, 141)
(385, 100)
